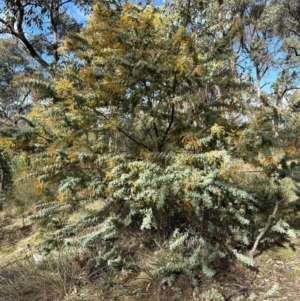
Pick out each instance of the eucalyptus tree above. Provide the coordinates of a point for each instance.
(40, 25)
(14, 98)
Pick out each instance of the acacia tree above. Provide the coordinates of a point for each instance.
(35, 29)
(148, 113)
(145, 118)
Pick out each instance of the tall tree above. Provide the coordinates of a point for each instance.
(15, 98)
(40, 25)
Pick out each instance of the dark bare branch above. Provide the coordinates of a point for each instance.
(265, 229)
(120, 130)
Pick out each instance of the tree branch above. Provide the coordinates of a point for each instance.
(120, 130)
(19, 33)
(168, 129)
(295, 50)
(264, 230)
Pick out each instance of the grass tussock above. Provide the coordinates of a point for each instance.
(49, 280)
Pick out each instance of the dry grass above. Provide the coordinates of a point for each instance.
(66, 277)
(61, 278)
(50, 280)
(281, 266)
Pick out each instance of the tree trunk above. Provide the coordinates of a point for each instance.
(1, 181)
